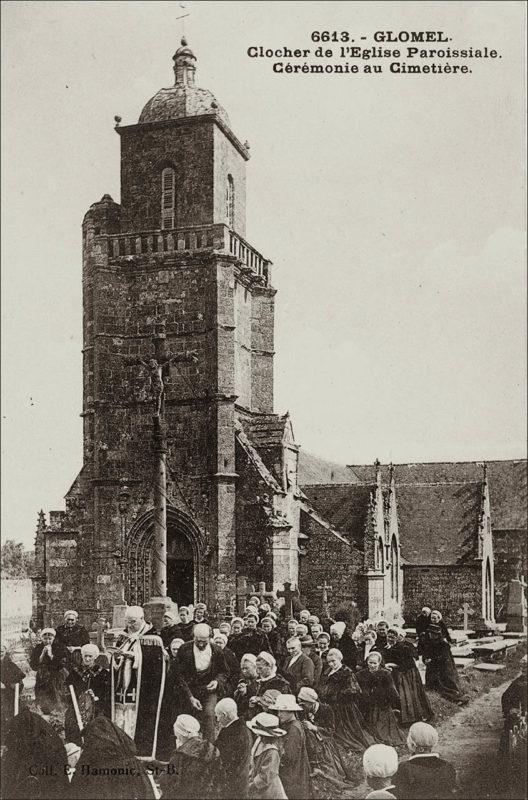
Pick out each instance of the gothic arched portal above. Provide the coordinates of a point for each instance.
(185, 563)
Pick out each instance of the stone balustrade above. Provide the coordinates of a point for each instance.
(217, 238)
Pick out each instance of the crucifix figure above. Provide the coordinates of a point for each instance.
(156, 369)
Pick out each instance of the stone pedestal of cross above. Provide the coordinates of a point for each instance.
(288, 593)
(466, 612)
(243, 591)
(325, 588)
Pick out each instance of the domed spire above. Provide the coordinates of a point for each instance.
(184, 65)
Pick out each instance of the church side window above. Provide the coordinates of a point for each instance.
(230, 201)
(168, 191)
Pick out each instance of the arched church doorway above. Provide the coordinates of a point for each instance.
(180, 568)
(185, 562)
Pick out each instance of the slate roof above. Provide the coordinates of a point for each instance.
(265, 430)
(315, 470)
(345, 506)
(507, 481)
(254, 456)
(438, 522)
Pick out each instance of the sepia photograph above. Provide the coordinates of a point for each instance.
(264, 349)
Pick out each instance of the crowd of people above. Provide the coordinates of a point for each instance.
(258, 706)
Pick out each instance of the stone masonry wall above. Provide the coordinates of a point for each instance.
(187, 146)
(228, 161)
(327, 558)
(426, 586)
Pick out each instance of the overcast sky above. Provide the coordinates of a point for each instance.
(391, 206)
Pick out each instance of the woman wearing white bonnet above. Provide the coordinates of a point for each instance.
(267, 679)
(380, 764)
(72, 635)
(91, 683)
(400, 660)
(424, 774)
(50, 660)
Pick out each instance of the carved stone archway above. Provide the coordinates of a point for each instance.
(139, 546)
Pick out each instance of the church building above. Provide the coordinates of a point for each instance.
(179, 428)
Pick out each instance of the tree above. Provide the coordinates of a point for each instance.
(15, 561)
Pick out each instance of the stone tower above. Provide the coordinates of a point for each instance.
(168, 273)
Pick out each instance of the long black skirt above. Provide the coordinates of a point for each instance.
(384, 727)
(415, 706)
(351, 728)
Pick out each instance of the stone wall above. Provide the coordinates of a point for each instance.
(185, 145)
(326, 557)
(445, 588)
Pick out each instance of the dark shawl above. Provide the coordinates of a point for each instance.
(348, 648)
(414, 702)
(72, 637)
(96, 679)
(11, 674)
(106, 747)
(32, 742)
(186, 630)
(422, 623)
(424, 777)
(381, 699)
(254, 642)
(193, 772)
(51, 674)
(170, 632)
(440, 669)
(342, 692)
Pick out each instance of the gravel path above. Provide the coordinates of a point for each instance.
(470, 740)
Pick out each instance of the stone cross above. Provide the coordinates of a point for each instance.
(325, 587)
(466, 611)
(262, 594)
(288, 595)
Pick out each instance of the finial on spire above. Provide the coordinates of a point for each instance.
(184, 65)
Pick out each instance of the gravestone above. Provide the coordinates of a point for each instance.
(118, 617)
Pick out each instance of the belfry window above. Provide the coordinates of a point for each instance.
(168, 191)
(230, 201)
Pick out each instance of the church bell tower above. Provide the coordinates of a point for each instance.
(171, 291)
